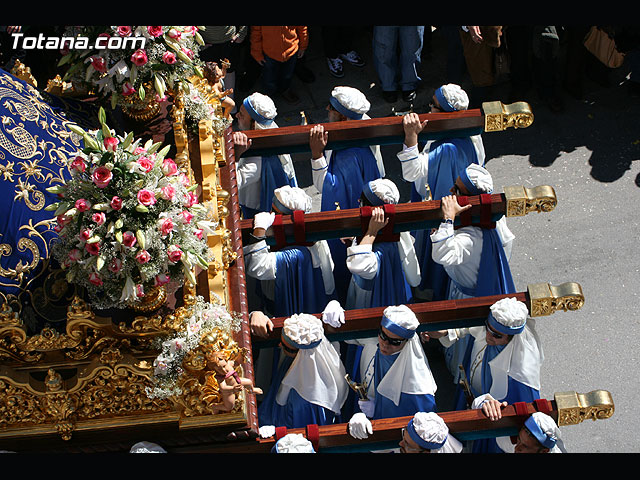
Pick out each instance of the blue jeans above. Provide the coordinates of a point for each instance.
(277, 76)
(396, 55)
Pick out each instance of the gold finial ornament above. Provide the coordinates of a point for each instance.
(522, 200)
(547, 299)
(574, 408)
(499, 117)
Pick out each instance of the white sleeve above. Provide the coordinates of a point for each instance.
(260, 262)
(362, 261)
(415, 164)
(248, 170)
(452, 336)
(319, 168)
(452, 248)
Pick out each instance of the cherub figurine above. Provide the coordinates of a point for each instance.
(215, 76)
(223, 383)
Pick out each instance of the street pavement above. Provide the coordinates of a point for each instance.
(590, 154)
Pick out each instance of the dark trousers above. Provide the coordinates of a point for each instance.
(277, 76)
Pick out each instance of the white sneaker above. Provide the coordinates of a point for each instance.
(353, 58)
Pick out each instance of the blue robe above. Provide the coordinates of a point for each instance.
(348, 171)
(299, 288)
(409, 404)
(272, 176)
(297, 412)
(447, 158)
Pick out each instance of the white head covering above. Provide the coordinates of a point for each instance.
(452, 97)
(261, 108)
(521, 359)
(147, 447)
(293, 443)
(350, 102)
(317, 373)
(410, 373)
(477, 179)
(508, 316)
(288, 199)
(429, 431)
(381, 191)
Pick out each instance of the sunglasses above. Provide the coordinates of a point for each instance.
(396, 342)
(493, 333)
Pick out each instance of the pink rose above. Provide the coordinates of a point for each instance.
(95, 279)
(85, 234)
(115, 266)
(129, 239)
(162, 279)
(139, 151)
(175, 34)
(188, 52)
(124, 31)
(116, 203)
(169, 167)
(63, 220)
(143, 257)
(198, 232)
(98, 63)
(168, 192)
(190, 30)
(101, 177)
(146, 197)
(187, 216)
(166, 226)
(191, 200)
(110, 144)
(169, 58)
(139, 291)
(127, 89)
(146, 163)
(75, 255)
(184, 180)
(139, 57)
(99, 218)
(78, 165)
(154, 31)
(174, 253)
(93, 248)
(82, 205)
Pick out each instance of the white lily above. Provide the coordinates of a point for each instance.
(129, 291)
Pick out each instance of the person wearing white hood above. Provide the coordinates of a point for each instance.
(475, 257)
(427, 432)
(259, 176)
(539, 434)
(296, 278)
(394, 372)
(503, 358)
(382, 273)
(309, 387)
(340, 174)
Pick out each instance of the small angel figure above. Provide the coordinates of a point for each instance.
(223, 383)
(215, 76)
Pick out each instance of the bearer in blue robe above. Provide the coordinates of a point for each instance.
(309, 387)
(432, 172)
(259, 176)
(341, 174)
(476, 259)
(503, 358)
(395, 372)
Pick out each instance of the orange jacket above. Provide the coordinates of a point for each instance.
(277, 42)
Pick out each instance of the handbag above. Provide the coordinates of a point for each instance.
(603, 47)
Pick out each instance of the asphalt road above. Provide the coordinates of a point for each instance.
(590, 154)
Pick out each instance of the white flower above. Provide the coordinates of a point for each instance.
(129, 291)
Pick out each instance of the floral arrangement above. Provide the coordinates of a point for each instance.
(202, 319)
(167, 60)
(197, 108)
(128, 220)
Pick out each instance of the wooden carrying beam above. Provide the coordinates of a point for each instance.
(494, 116)
(541, 299)
(300, 227)
(567, 408)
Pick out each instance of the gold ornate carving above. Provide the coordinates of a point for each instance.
(547, 299)
(522, 200)
(23, 72)
(574, 408)
(498, 116)
(141, 109)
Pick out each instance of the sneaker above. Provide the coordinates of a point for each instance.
(335, 67)
(409, 95)
(353, 58)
